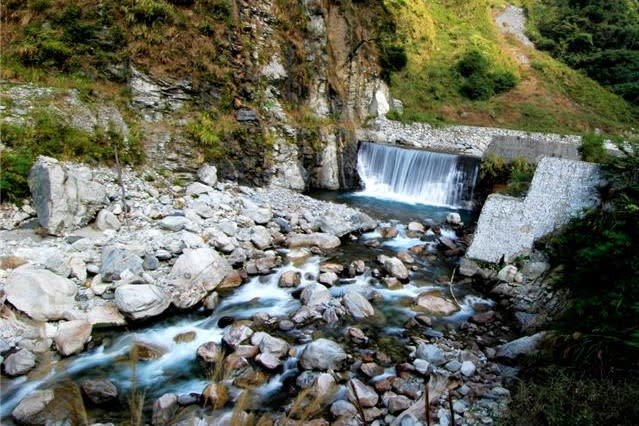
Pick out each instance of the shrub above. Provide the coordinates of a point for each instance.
(592, 148)
(504, 81)
(478, 87)
(473, 62)
(15, 166)
(150, 11)
(392, 58)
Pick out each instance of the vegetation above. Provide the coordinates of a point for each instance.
(547, 96)
(49, 135)
(598, 37)
(511, 178)
(590, 369)
(479, 82)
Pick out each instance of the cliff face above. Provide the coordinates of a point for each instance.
(271, 91)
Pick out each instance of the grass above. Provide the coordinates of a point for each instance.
(549, 97)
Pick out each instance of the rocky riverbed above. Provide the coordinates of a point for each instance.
(224, 304)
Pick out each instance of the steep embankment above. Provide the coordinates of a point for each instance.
(549, 96)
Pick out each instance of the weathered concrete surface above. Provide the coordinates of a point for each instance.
(532, 149)
(508, 226)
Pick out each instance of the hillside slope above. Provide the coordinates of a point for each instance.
(550, 96)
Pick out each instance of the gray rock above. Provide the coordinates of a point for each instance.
(99, 391)
(453, 218)
(164, 409)
(262, 265)
(394, 267)
(211, 301)
(208, 174)
(453, 366)
(268, 361)
(174, 223)
(430, 353)
(357, 305)
(315, 294)
(107, 220)
(356, 267)
(259, 215)
(328, 278)
(343, 408)
(507, 273)
(468, 368)
(197, 188)
(398, 403)
(435, 304)
(209, 352)
(261, 237)
(317, 239)
(524, 346)
(72, 336)
(19, 363)
(151, 262)
(32, 409)
(236, 334)
(245, 114)
(468, 268)
(41, 294)
(141, 301)
(195, 273)
(269, 344)
(361, 394)
(78, 267)
(416, 227)
(115, 260)
(322, 354)
(64, 198)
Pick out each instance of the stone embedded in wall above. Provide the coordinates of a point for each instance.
(532, 149)
(153, 97)
(508, 226)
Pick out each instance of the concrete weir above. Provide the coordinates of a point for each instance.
(508, 226)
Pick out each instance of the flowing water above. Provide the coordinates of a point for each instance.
(178, 371)
(416, 176)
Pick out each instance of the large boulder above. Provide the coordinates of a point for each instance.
(141, 301)
(394, 267)
(361, 394)
(435, 304)
(32, 410)
(208, 174)
(64, 198)
(357, 305)
(39, 293)
(316, 239)
(522, 347)
(71, 336)
(196, 273)
(322, 354)
(315, 294)
(19, 363)
(99, 391)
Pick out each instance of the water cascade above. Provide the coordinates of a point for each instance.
(416, 176)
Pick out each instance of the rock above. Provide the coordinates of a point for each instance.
(141, 301)
(524, 346)
(316, 239)
(315, 294)
(32, 409)
(218, 239)
(191, 398)
(186, 337)
(115, 260)
(164, 409)
(534, 270)
(261, 237)
(328, 278)
(394, 267)
(207, 174)
(405, 257)
(107, 220)
(233, 280)
(262, 265)
(19, 363)
(39, 293)
(269, 344)
(197, 188)
(260, 216)
(209, 352)
(335, 225)
(483, 318)
(435, 304)
(245, 114)
(448, 243)
(357, 305)
(78, 267)
(389, 232)
(468, 368)
(468, 268)
(398, 403)
(322, 354)
(453, 366)
(268, 361)
(422, 366)
(356, 267)
(430, 353)
(64, 198)
(151, 263)
(174, 223)
(211, 301)
(453, 218)
(331, 267)
(343, 408)
(147, 351)
(507, 273)
(195, 273)
(392, 283)
(416, 227)
(290, 279)
(11, 262)
(215, 395)
(371, 369)
(361, 394)
(72, 336)
(236, 334)
(99, 391)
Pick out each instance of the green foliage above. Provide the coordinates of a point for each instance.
(49, 135)
(151, 11)
(479, 83)
(558, 396)
(208, 134)
(392, 58)
(508, 178)
(592, 148)
(597, 36)
(600, 254)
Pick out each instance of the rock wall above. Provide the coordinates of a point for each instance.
(508, 226)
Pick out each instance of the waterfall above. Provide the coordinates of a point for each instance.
(415, 176)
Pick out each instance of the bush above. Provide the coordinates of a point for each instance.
(150, 11)
(592, 148)
(473, 62)
(478, 87)
(15, 166)
(392, 58)
(504, 81)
